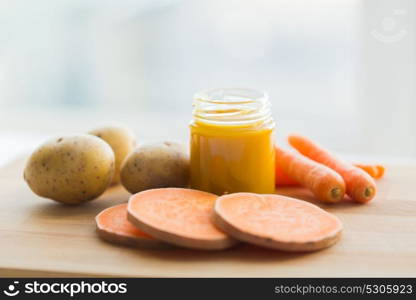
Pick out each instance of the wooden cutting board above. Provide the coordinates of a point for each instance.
(41, 238)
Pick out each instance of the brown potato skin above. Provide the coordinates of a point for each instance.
(70, 169)
(121, 139)
(158, 165)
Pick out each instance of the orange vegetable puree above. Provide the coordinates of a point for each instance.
(228, 158)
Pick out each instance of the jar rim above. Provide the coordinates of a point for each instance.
(232, 106)
(233, 95)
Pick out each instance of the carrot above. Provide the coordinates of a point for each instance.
(276, 222)
(361, 187)
(282, 179)
(375, 171)
(381, 170)
(326, 184)
(178, 216)
(370, 169)
(112, 226)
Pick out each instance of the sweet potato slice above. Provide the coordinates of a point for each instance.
(276, 222)
(178, 216)
(113, 226)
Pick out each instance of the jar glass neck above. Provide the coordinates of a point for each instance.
(232, 106)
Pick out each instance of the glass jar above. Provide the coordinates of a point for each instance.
(232, 142)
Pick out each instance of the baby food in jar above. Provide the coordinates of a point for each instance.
(232, 142)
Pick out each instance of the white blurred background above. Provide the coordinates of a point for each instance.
(342, 72)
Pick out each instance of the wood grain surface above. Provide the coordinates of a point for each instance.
(39, 237)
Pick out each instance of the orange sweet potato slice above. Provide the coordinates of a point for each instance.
(178, 216)
(276, 222)
(113, 226)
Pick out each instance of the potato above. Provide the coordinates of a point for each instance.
(122, 141)
(157, 165)
(70, 169)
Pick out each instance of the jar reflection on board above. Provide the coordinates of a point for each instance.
(232, 142)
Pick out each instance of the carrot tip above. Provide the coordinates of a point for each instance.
(336, 193)
(368, 192)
